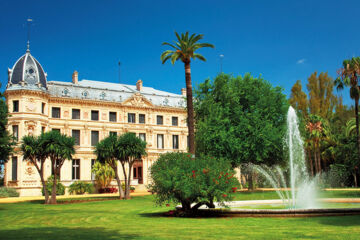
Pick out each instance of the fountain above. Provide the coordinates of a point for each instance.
(301, 200)
(302, 186)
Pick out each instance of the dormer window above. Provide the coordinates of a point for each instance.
(66, 92)
(85, 94)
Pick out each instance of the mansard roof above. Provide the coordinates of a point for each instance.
(114, 92)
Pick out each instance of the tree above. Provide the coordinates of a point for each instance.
(7, 142)
(106, 152)
(298, 99)
(184, 50)
(178, 178)
(33, 151)
(322, 100)
(129, 149)
(104, 174)
(349, 77)
(241, 119)
(58, 147)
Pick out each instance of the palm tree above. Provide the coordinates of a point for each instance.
(184, 50)
(33, 151)
(58, 148)
(105, 151)
(350, 127)
(349, 77)
(130, 149)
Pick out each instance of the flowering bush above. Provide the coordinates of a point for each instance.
(178, 178)
(108, 190)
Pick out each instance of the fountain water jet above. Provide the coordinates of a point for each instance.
(302, 186)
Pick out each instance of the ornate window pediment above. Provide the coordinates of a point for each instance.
(138, 100)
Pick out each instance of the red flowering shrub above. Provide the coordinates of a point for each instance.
(108, 190)
(178, 178)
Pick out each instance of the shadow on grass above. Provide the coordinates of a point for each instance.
(76, 200)
(341, 221)
(55, 233)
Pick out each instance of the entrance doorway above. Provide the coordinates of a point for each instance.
(138, 171)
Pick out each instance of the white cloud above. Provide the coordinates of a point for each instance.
(301, 61)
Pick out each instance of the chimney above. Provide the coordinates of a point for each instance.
(183, 92)
(139, 85)
(75, 77)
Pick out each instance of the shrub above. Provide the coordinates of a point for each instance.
(178, 178)
(131, 187)
(104, 174)
(60, 188)
(8, 192)
(80, 187)
(108, 190)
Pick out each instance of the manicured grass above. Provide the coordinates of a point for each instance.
(139, 218)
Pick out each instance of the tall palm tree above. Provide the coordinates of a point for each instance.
(105, 151)
(349, 77)
(58, 147)
(33, 151)
(130, 149)
(184, 49)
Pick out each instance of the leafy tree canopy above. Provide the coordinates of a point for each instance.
(241, 119)
(6, 141)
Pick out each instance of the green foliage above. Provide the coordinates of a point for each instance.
(7, 142)
(185, 48)
(178, 178)
(104, 174)
(60, 188)
(80, 187)
(8, 192)
(337, 176)
(241, 119)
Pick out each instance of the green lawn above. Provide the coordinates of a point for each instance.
(139, 218)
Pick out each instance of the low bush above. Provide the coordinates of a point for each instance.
(60, 188)
(80, 187)
(8, 192)
(178, 178)
(108, 190)
(131, 187)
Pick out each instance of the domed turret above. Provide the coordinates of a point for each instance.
(27, 73)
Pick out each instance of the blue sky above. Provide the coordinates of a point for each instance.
(282, 40)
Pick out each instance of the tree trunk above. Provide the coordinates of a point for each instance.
(128, 182)
(251, 186)
(186, 206)
(53, 192)
(41, 173)
(319, 156)
(121, 192)
(357, 125)
(355, 179)
(310, 162)
(125, 182)
(190, 108)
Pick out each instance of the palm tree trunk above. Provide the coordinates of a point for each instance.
(129, 181)
(318, 156)
(310, 162)
(121, 192)
(53, 191)
(126, 182)
(357, 125)
(190, 108)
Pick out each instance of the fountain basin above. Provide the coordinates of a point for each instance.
(234, 209)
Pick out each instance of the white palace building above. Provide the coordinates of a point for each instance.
(88, 111)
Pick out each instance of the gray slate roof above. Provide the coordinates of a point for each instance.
(114, 92)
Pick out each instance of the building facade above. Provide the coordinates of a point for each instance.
(88, 111)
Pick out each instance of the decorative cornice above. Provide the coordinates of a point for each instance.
(23, 92)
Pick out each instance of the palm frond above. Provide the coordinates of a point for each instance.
(199, 56)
